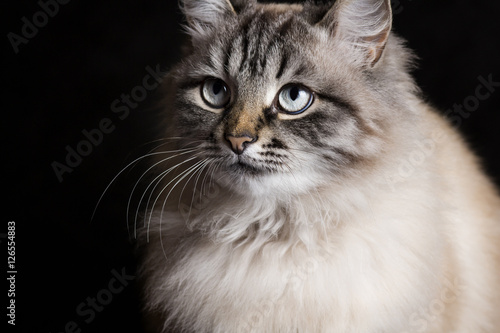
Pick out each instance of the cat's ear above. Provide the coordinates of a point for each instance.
(204, 15)
(365, 24)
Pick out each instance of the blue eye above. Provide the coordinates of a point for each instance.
(294, 99)
(215, 93)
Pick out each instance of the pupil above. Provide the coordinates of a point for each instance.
(294, 93)
(217, 87)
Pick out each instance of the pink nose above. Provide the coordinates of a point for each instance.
(239, 143)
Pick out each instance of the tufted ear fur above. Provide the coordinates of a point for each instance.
(204, 15)
(365, 24)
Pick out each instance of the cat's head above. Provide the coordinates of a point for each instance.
(282, 98)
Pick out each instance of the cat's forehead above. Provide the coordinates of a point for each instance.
(280, 7)
(270, 18)
(267, 40)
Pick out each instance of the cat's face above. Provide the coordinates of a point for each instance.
(279, 98)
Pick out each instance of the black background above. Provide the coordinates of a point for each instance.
(64, 80)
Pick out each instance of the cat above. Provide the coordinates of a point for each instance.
(278, 204)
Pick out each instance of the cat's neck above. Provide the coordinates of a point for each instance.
(228, 217)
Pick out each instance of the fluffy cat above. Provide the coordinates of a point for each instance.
(280, 202)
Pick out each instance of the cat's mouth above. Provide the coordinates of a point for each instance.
(243, 167)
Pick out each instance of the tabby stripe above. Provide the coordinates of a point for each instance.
(284, 63)
(277, 40)
(245, 28)
(361, 123)
(300, 70)
(263, 61)
(285, 27)
(255, 56)
(338, 102)
(245, 54)
(227, 56)
(284, 59)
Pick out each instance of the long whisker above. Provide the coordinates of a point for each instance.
(198, 174)
(203, 182)
(212, 178)
(192, 169)
(185, 145)
(181, 175)
(142, 176)
(156, 181)
(166, 141)
(119, 173)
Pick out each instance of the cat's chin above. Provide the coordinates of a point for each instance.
(244, 169)
(251, 181)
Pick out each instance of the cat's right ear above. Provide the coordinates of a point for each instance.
(204, 15)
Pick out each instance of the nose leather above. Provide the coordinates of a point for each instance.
(239, 143)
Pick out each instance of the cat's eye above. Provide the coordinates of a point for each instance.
(215, 93)
(295, 99)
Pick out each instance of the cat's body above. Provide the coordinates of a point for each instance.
(361, 212)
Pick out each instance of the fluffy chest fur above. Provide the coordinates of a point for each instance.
(351, 278)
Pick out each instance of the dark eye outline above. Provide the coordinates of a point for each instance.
(300, 86)
(225, 86)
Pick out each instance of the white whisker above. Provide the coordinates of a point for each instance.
(199, 173)
(157, 180)
(182, 175)
(119, 173)
(138, 181)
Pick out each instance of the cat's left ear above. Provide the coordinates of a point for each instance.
(204, 15)
(365, 24)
